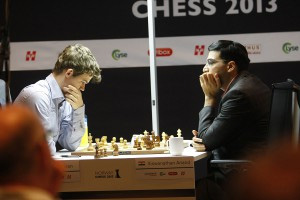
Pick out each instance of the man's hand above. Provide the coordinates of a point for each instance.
(195, 138)
(210, 84)
(73, 96)
(197, 142)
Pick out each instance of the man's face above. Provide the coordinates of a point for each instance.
(214, 64)
(79, 81)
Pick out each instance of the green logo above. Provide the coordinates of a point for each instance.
(287, 48)
(117, 54)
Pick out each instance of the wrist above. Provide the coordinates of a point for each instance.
(209, 101)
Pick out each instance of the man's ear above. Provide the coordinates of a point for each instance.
(69, 73)
(231, 66)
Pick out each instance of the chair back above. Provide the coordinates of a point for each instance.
(284, 115)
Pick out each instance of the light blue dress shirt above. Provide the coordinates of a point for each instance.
(3, 93)
(62, 123)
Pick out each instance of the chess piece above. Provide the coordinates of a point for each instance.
(146, 133)
(97, 154)
(125, 146)
(136, 143)
(90, 141)
(104, 139)
(101, 152)
(139, 146)
(105, 152)
(116, 150)
(179, 133)
(157, 141)
(114, 139)
(153, 133)
(149, 144)
(112, 144)
(163, 136)
(121, 140)
(97, 141)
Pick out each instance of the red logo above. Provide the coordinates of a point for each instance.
(172, 173)
(199, 50)
(163, 52)
(30, 55)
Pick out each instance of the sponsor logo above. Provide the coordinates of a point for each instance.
(163, 52)
(117, 54)
(30, 55)
(172, 173)
(150, 174)
(199, 50)
(253, 48)
(288, 48)
(108, 174)
(162, 173)
(67, 176)
(141, 163)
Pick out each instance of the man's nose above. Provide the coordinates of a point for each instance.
(205, 69)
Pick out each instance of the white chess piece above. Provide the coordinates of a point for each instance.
(179, 133)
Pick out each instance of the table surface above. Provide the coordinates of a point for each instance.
(188, 151)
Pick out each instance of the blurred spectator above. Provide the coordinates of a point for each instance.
(27, 170)
(275, 176)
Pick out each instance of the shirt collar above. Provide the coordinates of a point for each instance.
(55, 89)
(234, 80)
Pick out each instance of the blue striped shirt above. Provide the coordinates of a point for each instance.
(62, 123)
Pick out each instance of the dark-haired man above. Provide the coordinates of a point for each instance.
(239, 125)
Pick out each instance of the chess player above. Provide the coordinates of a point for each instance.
(234, 124)
(27, 169)
(58, 99)
(237, 125)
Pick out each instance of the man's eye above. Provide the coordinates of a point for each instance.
(210, 62)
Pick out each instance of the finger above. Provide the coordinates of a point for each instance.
(195, 133)
(72, 88)
(197, 139)
(212, 80)
(217, 78)
(71, 98)
(73, 91)
(202, 80)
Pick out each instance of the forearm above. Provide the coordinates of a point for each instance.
(210, 101)
(206, 118)
(72, 130)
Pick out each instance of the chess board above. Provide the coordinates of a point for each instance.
(128, 151)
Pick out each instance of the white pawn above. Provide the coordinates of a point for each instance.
(179, 133)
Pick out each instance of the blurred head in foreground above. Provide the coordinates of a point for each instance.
(275, 175)
(25, 158)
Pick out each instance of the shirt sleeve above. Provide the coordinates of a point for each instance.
(72, 127)
(233, 116)
(40, 103)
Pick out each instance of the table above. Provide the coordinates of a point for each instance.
(152, 176)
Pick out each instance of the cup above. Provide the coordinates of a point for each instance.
(176, 146)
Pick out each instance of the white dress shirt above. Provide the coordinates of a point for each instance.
(62, 123)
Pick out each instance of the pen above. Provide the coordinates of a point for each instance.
(69, 156)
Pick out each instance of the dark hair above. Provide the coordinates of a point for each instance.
(232, 51)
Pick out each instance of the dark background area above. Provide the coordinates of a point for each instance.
(120, 105)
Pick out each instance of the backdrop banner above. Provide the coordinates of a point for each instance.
(117, 32)
(170, 51)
